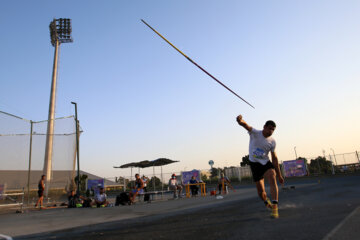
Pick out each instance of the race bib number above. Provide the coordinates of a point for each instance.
(259, 153)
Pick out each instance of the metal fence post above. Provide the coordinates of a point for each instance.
(332, 165)
(29, 171)
(22, 201)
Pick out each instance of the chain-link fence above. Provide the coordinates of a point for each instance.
(334, 163)
(22, 154)
(344, 158)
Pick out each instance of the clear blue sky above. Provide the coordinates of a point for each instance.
(297, 62)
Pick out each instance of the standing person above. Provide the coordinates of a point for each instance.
(139, 187)
(224, 182)
(41, 189)
(147, 195)
(145, 181)
(261, 143)
(173, 185)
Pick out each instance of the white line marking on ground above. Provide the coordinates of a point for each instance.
(5, 237)
(290, 205)
(331, 234)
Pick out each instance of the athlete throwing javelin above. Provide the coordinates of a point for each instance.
(261, 143)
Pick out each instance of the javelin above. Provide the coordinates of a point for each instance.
(196, 64)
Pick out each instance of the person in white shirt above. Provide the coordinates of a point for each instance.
(145, 181)
(100, 199)
(261, 143)
(174, 186)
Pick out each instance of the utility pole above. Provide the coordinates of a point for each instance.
(334, 155)
(60, 32)
(295, 153)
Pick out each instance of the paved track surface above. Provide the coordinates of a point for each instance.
(313, 210)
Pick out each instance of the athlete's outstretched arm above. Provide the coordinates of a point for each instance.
(242, 123)
(275, 162)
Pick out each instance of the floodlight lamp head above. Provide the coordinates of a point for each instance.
(60, 31)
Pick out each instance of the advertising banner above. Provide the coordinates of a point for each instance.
(294, 168)
(186, 176)
(93, 185)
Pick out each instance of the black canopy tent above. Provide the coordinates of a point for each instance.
(146, 163)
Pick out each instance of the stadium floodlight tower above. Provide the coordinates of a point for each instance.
(60, 32)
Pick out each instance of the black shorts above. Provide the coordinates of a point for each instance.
(40, 193)
(258, 170)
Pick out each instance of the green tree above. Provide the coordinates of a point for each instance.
(319, 165)
(245, 161)
(82, 184)
(157, 182)
(203, 177)
(215, 172)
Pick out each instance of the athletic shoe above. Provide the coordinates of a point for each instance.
(268, 204)
(274, 212)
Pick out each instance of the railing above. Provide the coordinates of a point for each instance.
(15, 202)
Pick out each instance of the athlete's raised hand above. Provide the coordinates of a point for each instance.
(242, 123)
(239, 119)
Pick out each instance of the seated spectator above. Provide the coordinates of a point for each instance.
(139, 188)
(174, 186)
(194, 188)
(76, 201)
(100, 199)
(73, 200)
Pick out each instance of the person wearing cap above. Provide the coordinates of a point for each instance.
(175, 186)
(100, 199)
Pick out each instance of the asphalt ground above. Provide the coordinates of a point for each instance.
(318, 208)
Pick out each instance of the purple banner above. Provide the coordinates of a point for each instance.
(186, 176)
(294, 168)
(94, 185)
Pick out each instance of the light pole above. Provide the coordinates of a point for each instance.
(295, 153)
(334, 155)
(77, 149)
(60, 32)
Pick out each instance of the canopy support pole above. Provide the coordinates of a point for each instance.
(131, 178)
(154, 178)
(162, 183)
